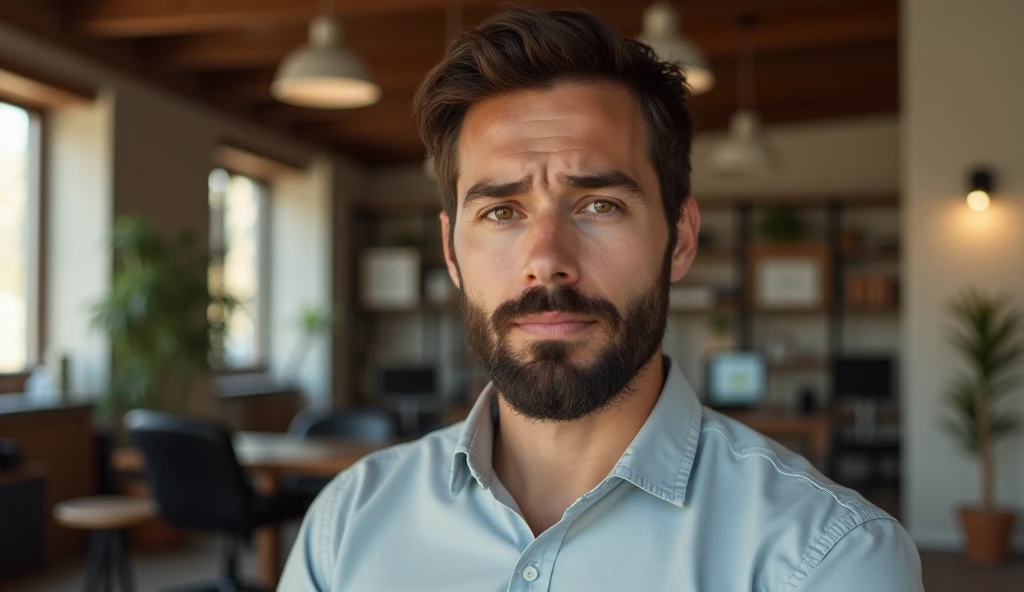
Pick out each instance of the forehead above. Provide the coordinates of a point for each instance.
(569, 128)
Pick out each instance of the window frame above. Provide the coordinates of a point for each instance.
(14, 382)
(261, 364)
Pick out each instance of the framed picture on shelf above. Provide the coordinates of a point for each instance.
(789, 277)
(390, 278)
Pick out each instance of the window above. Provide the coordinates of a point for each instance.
(238, 232)
(19, 239)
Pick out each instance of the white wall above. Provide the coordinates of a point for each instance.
(79, 215)
(962, 89)
(300, 263)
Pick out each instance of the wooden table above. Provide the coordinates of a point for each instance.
(815, 429)
(268, 456)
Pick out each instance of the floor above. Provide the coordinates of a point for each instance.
(943, 572)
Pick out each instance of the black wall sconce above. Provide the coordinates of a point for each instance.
(980, 186)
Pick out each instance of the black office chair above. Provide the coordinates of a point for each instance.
(199, 485)
(364, 425)
(372, 426)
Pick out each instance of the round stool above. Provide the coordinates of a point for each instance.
(107, 517)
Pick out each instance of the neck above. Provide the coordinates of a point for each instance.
(546, 466)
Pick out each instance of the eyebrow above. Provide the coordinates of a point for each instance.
(612, 179)
(491, 190)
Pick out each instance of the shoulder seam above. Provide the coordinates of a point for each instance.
(772, 458)
(823, 551)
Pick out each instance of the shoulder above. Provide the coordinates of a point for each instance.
(740, 452)
(787, 500)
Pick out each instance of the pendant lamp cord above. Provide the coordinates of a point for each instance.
(745, 62)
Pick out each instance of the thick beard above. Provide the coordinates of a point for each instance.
(550, 386)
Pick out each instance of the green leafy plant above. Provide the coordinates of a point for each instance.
(162, 321)
(313, 323)
(989, 339)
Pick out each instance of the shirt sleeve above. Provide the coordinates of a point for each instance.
(877, 555)
(311, 562)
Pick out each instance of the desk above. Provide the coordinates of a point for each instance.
(268, 456)
(815, 428)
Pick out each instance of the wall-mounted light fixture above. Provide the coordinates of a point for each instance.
(979, 189)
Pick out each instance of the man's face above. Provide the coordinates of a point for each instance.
(561, 246)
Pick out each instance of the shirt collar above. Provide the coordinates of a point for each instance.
(658, 460)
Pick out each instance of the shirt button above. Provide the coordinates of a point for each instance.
(530, 574)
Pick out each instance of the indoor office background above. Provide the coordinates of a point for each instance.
(858, 168)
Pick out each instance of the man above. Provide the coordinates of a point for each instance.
(563, 155)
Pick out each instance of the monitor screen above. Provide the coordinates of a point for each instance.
(736, 379)
(862, 376)
(413, 381)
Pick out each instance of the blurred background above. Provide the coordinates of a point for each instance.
(219, 213)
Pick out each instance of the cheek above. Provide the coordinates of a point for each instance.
(490, 271)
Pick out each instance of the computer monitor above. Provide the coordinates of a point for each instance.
(736, 379)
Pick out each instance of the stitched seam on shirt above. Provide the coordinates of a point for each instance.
(770, 457)
(327, 534)
(686, 466)
(823, 552)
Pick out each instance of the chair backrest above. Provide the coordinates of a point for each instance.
(192, 469)
(364, 425)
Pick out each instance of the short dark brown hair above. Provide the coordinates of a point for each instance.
(528, 48)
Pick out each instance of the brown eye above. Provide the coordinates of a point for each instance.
(500, 214)
(602, 207)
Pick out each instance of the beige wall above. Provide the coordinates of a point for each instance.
(962, 90)
(150, 154)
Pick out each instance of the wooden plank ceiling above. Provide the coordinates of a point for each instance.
(814, 59)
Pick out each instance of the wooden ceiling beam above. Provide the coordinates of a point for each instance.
(148, 18)
(410, 35)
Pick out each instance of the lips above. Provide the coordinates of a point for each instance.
(554, 324)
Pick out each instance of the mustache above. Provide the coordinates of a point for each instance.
(561, 299)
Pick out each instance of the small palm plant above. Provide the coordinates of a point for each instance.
(989, 341)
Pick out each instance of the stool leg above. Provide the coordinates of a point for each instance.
(121, 563)
(108, 561)
(97, 554)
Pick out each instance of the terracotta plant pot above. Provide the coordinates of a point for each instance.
(987, 534)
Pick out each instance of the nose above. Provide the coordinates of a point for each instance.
(551, 252)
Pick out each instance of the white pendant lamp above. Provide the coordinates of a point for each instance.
(745, 150)
(661, 32)
(324, 73)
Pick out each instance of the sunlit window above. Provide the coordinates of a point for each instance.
(18, 235)
(237, 239)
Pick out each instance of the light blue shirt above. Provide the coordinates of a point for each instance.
(698, 502)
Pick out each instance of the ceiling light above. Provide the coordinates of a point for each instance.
(661, 33)
(324, 73)
(746, 149)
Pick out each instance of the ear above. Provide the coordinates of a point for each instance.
(687, 230)
(449, 257)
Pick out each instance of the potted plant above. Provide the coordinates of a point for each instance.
(162, 321)
(163, 325)
(988, 339)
